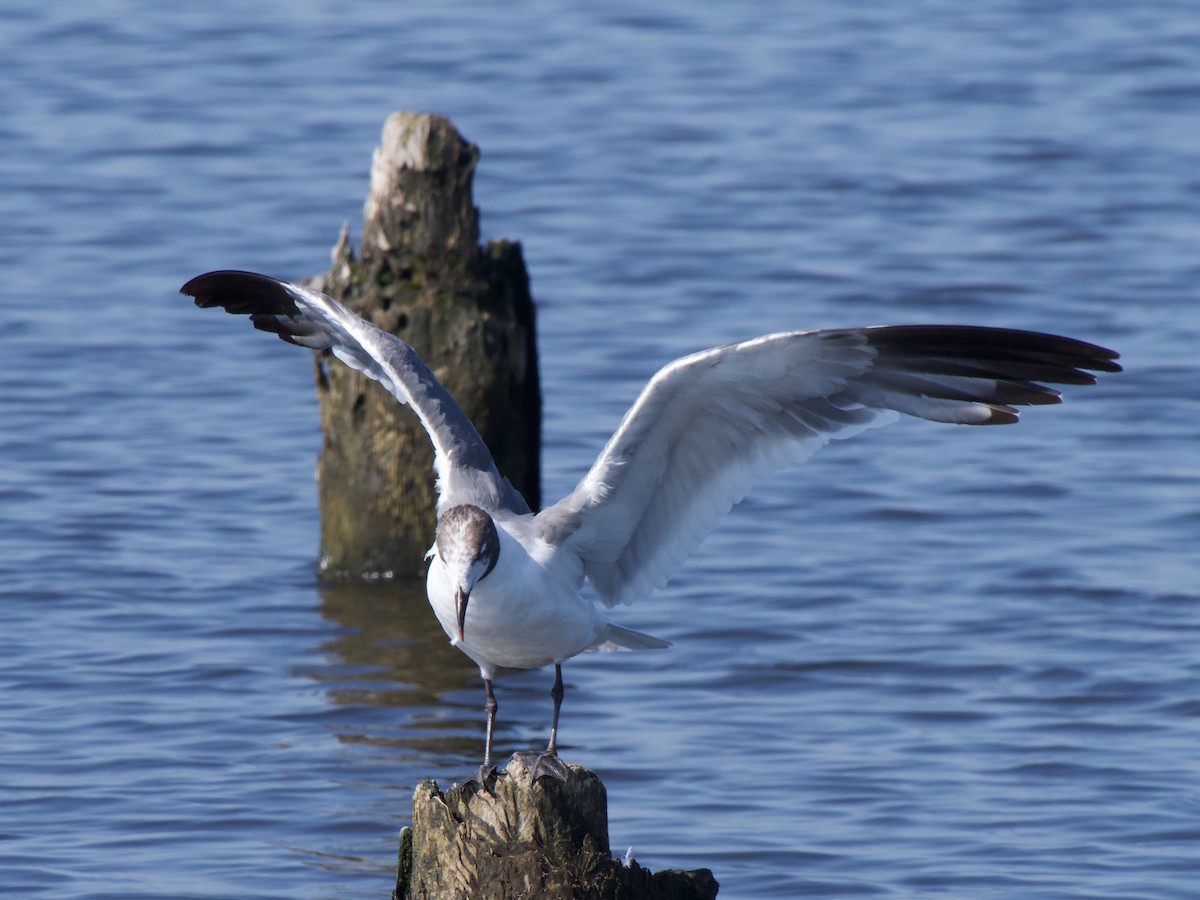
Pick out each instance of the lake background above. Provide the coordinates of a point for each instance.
(930, 662)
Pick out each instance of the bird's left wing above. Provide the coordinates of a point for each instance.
(708, 425)
(465, 469)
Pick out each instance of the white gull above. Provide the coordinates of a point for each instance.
(506, 583)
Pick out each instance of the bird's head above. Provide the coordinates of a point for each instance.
(468, 545)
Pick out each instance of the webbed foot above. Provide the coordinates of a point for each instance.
(481, 775)
(545, 763)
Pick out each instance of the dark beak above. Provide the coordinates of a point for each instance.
(460, 605)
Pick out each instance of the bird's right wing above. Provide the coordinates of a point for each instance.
(708, 425)
(465, 469)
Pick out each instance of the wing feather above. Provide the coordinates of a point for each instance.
(708, 425)
(465, 468)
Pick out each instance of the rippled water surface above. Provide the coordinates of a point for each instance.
(931, 662)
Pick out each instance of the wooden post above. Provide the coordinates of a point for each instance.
(519, 840)
(467, 311)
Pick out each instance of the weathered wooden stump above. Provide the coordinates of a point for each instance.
(466, 309)
(523, 840)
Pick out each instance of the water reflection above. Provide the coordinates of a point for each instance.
(390, 625)
(392, 664)
(393, 681)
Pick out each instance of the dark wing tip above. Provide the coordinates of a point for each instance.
(241, 293)
(999, 368)
(269, 302)
(1025, 355)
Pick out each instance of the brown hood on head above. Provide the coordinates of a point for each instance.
(469, 546)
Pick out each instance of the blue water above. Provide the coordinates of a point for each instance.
(931, 662)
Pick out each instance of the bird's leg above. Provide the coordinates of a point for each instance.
(485, 771)
(556, 694)
(548, 763)
(490, 706)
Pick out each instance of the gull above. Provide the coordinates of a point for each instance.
(505, 583)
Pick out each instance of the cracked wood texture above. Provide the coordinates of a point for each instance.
(521, 840)
(422, 275)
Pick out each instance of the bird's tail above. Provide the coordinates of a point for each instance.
(617, 636)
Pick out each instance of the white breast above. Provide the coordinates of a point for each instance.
(526, 613)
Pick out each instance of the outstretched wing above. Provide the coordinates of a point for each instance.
(465, 469)
(708, 425)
